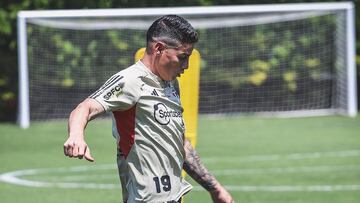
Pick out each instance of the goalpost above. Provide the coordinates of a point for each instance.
(278, 59)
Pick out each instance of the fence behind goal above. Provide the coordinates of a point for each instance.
(296, 59)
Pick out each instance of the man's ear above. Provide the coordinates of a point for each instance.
(159, 47)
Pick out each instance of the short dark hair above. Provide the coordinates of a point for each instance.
(171, 29)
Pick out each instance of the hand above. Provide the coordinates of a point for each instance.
(77, 148)
(220, 195)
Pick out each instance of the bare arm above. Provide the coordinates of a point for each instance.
(75, 145)
(195, 168)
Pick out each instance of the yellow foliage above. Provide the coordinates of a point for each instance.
(7, 96)
(258, 78)
(289, 76)
(312, 63)
(260, 65)
(67, 82)
(357, 59)
(3, 82)
(292, 86)
(122, 45)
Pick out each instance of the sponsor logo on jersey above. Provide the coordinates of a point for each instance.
(108, 84)
(117, 90)
(162, 115)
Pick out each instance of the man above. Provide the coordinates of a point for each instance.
(147, 120)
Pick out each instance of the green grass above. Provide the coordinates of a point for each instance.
(306, 149)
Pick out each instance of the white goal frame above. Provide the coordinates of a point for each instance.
(23, 16)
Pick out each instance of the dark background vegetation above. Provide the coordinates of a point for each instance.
(8, 33)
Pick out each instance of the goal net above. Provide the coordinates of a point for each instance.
(290, 59)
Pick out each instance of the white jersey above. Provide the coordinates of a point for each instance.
(149, 128)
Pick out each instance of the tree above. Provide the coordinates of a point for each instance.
(8, 35)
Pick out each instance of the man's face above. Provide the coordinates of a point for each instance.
(173, 61)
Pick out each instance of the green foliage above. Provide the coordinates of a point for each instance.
(284, 53)
(280, 52)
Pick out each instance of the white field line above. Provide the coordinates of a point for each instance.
(112, 175)
(286, 170)
(239, 188)
(275, 157)
(288, 188)
(15, 176)
(86, 177)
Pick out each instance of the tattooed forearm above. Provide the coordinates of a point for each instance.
(194, 167)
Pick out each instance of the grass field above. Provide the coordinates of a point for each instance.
(308, 160)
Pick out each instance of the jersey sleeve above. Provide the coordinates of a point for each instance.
(118, 93)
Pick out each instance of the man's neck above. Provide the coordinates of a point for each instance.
(149, 62)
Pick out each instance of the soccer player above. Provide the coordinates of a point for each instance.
(147, 120)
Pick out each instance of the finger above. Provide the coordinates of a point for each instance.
(81, 152)
(75, 151)
(87, 155)
(65, 150)
(70, 150)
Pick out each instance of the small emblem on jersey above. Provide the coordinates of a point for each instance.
(171, 93)
(162, 115)
(154, 93)
(175, 94)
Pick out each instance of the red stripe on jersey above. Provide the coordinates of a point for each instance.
(125, 124)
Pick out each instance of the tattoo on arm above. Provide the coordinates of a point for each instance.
(195, 168)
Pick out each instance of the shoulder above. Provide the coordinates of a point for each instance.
(133, 73)
(129, 76)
